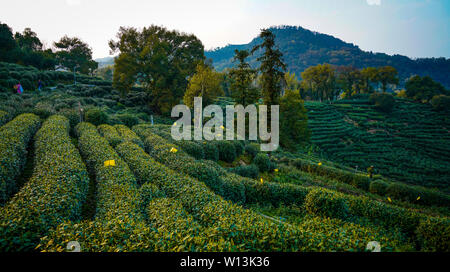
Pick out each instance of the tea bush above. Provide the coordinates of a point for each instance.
(249, 171)
(110, 134)
(55, 193)
(96, 116)
(15, 137)
(227, 151)
(326, 203)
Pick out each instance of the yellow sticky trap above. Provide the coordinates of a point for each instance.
(222, 127)
(174, 124)
(418, 198)
(173, 150)
(390, 200)
(276, 170)
(262, 181)
(110, 163)
(320, 164)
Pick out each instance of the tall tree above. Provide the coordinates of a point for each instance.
(387, 75)
(424, 88)
(73, 53)
(349, 79)
(7, 43)
(369, 76)
(293, 120)
(28, 40)
(158, 59)
(320, 81)
(206, 83)
(272, 68)
(242, 77)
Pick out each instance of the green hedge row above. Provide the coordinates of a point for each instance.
(230, 186)
(429, 232)
(127, 135)
(55, 193)
(14, 140)
(4, 117)
(117, 192)
(384, 188)
(238, 229)
(110, 133)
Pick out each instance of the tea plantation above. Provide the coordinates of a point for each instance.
(101, 174)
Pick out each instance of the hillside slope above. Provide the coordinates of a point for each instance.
(303, 48)
(410, 144)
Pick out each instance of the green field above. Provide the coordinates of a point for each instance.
(163, 195)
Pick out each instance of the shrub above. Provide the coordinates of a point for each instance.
(433, 234)
(15, 137)
(110, 134)
(192, 148)
(249, 171)
(128, 120)
(210, 150)
(440, 102)
(326, 203)
(127, 135)
(72, 115)
(382, 101)
(54, 194)
(239, 146)
(378, 187)
(43, 110)
(4, 117)
(227, 151)
(262, 161)
(252, 149)
(96, 116)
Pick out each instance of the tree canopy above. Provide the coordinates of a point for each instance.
(272, 68)
(205, 83)
(158, 59)
(242, 78)
(73, 53)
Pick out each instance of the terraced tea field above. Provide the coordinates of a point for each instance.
(411, 144)
(115, 188)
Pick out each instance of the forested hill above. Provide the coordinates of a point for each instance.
(303, 48)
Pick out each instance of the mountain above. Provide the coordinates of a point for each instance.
(102, 62)
(303, 48)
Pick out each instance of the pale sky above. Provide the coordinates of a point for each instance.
(416, 28)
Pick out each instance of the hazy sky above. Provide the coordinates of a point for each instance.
(416, 28)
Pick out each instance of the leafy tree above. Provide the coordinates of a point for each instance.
(382, 101)
(73, 53)
(242, 77)
(291, 81)
(387, 75)
(320, 81)
(423, 88)
(105, 72)
(272, 68)
(7, 43)
(205, 83)
(441, 102)
(293, 120)
(349, 79)
(28, 40)
(158, 59)
(369, 76)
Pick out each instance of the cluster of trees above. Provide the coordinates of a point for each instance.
(303, 48)
(171, 67)
(327, 82)
(27, 49)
